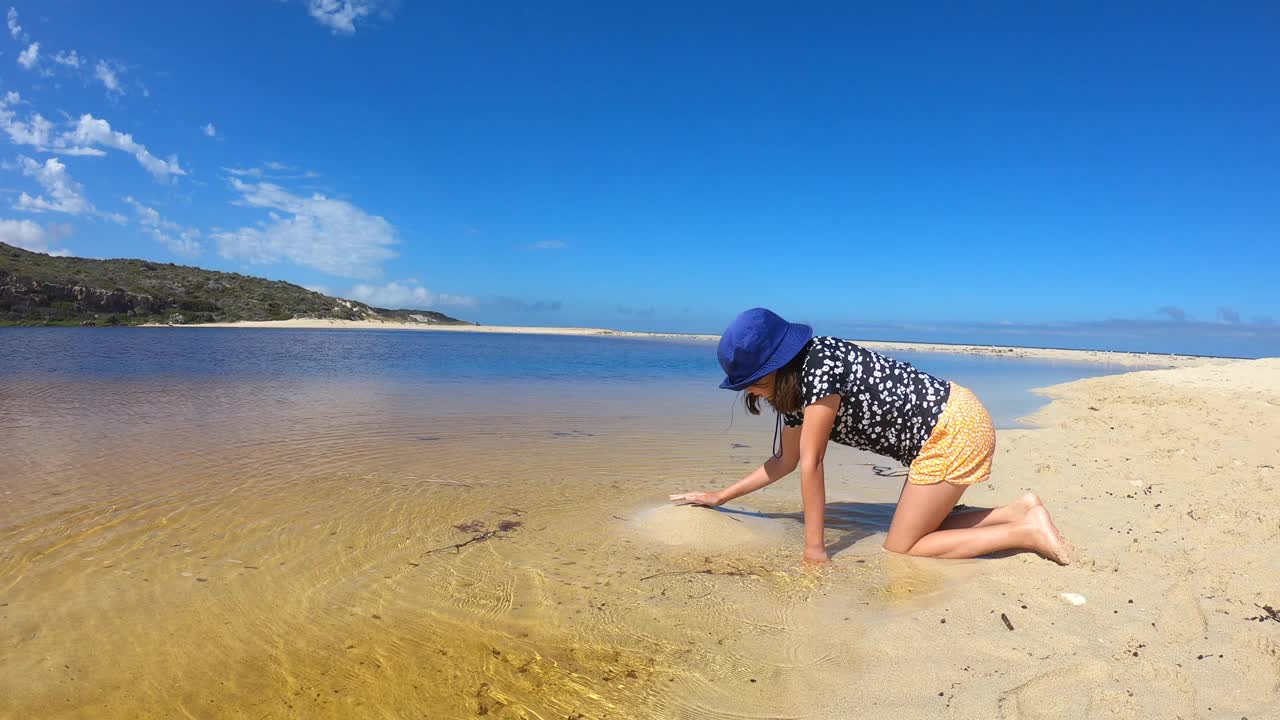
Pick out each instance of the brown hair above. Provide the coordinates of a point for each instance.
(786, 395)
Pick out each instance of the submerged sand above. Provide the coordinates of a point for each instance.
(1126, 359)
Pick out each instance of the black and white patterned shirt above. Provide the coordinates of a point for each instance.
(886, 406)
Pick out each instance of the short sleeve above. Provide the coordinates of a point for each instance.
(826, 372)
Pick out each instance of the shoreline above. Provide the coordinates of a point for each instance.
(1103, 357)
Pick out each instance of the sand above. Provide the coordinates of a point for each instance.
(1125, 359)
(1169, 483)
(694, 526)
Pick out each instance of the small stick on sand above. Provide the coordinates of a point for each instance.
(457, 547)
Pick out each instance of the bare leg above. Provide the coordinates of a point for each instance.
(1013, 512)
(922, 509)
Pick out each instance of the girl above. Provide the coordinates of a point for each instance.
(828, 389)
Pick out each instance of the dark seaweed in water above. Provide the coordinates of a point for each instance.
(482, 531)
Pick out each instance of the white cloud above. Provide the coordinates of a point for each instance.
(74, 151)
(29, 57)
(394, 296)
(14, 28)
(322, 289)
(180, 240)
(273, 171)
(107, 75)
(210, 130)
(549, 245)
(65, 192)
(70, 59)
(341, 16)
(319, 232)
(37, 131)
(90, 131)
(80, 140)
(32, 236)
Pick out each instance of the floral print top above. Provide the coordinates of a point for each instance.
(886, 406)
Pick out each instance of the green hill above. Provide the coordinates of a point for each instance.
(37, 289)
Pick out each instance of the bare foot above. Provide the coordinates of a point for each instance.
(1047, 540)
(1024, 504)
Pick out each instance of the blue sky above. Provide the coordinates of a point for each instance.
(1083, 174)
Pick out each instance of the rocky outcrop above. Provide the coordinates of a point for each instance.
(16, 292)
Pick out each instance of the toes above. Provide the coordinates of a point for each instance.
(1069, 553)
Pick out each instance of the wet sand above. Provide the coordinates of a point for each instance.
(208, 550)
(1125, 359)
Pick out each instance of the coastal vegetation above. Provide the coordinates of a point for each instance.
(39, 289)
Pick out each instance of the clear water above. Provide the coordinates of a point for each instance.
(415, 362)
(256, 523)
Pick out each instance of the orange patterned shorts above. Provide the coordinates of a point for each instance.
(961, 446)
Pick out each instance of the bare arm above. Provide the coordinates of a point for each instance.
(819, 417)
(774, 469)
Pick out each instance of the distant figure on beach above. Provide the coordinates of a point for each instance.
(825, 389)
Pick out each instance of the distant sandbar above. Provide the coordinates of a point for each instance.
(1128, 359)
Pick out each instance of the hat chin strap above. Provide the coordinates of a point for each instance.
(777, 442)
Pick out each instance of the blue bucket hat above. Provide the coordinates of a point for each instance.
(755, 344)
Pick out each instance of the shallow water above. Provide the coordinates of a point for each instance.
(258, 524)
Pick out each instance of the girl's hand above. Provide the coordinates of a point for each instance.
(699, 497)
(816, 556)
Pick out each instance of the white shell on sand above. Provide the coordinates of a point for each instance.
(1073, 598)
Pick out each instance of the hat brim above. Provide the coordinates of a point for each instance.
(793, 342)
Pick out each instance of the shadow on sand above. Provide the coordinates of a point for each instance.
(857, 521)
